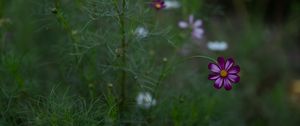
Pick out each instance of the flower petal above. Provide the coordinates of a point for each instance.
(213, 76)
(221, 62)
(219, 83)
(229, 63)
(227, 85)
(234, 78)
(198, 33)
(197, 23)
(191, 19)
(163, 4)
(214, 68)
(234, 70)
(183, 24)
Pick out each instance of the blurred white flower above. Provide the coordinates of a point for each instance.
(145, 100)
(141, 32)
(172, 4)
(217, 45)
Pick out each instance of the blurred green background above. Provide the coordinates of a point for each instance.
(60, 63)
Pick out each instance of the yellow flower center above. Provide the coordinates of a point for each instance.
(157, 5)
(223, 73)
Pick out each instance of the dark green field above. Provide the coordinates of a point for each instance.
(144, 62)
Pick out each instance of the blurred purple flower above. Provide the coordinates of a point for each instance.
(224, 73)
(195, 25)
(158, 4)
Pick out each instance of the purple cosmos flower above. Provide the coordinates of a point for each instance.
(224, 73)
(195, 25)
(158, 4)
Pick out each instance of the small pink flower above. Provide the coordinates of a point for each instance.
(195, 25)
(158, 4)
(224, 73)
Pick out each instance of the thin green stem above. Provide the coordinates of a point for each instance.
(192, 57)
(160, 78)
(123, 44)
(121, 19)
(68, 29)
(66, 26)
(204, 57)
